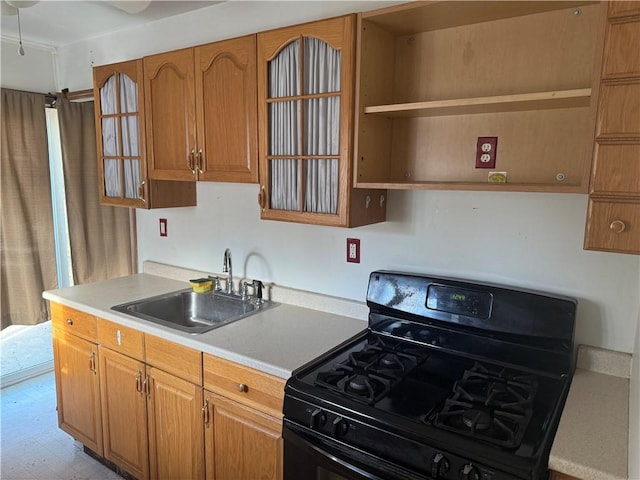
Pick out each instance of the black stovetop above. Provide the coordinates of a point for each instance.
(484, 402)
(450, 365)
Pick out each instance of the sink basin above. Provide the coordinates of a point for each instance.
(192, 312)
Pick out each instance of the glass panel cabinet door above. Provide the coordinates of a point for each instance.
(306, 94)
(120, 140)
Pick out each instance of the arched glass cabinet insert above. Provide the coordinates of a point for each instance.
(306, 81)
(304, 134)
(120, 140)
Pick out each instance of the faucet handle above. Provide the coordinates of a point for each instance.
(216, 283)
(245, 290)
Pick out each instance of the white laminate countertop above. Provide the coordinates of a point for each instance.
(276, 341)
(592, 440)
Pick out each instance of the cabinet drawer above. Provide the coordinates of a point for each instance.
(74, 321)
(183, 362)
(604, 220)
(623, 8)
(616, 170)
(622, 39)
(119, 338)
(619, 111)
(256, 389)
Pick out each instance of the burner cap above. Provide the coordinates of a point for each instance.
(390, 361)
(359, 383)
(476, 419)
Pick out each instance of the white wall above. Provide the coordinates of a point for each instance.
(33, 72)
(634, 410)
(527, 240)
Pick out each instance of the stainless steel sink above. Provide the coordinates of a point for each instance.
(192, 312)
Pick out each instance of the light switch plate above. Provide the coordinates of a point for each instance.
(163, 227)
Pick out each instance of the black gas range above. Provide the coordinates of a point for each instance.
(451, 380)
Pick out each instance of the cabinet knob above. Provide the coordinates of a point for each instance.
(617, 226)
(242, 388)
(69, 321)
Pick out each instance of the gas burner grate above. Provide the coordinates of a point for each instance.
(369, 374)
(499, 427)
(490, 403)
(495, 371)
(368, 388)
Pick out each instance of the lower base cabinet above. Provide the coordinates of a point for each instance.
(241, 443)
(153, 420)
(158, 410)
(78, 388)
(124, 412)
(176, 430)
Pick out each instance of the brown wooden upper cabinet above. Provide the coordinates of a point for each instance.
(613, 216)
(435, 76)
(120, 140)
(201, 112)
(305, 113)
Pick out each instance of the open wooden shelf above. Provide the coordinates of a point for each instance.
(503, 103)
(426, 16)
(433, 77)
(473, 186)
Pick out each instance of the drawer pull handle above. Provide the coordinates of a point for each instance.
(617, 226)
(69, 321)
(243, 388)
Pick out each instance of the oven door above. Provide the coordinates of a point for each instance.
(311, 456)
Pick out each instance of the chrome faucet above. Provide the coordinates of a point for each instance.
(228, 268)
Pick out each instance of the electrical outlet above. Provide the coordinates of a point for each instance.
(163, 227)
(353, 250)
(486, 150)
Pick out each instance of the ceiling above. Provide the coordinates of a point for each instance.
(57, 23)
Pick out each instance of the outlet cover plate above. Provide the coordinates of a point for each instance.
(486, 150)
(353, 250)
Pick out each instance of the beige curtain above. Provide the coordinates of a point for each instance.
(99, 235)
(26, 223)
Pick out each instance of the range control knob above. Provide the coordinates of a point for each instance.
(439, 466)
(469, 472)
(339, 427)
(317, 419)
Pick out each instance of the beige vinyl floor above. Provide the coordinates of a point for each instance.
(32, 447)
(25, 352)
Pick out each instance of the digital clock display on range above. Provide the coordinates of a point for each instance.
(459, 301)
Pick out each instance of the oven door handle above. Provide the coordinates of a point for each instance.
(295, 434)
